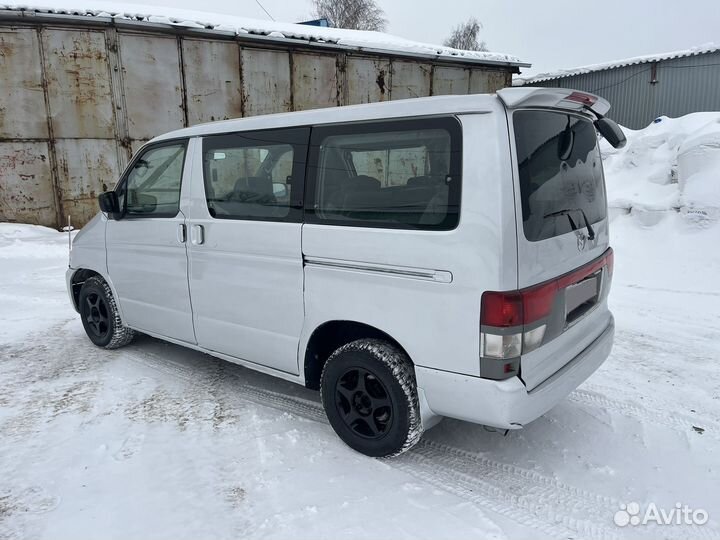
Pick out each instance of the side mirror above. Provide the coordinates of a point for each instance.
(109, 204)
(611, 131)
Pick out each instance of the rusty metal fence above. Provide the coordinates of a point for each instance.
(76, 101)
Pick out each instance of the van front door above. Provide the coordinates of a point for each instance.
(246, 267)
(146, 253)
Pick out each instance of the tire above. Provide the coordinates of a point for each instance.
(370, 397)
(100, 316)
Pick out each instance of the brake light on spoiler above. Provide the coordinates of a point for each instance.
(581, 97)
(514, 322)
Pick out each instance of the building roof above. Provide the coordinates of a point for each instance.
(374, 42)
(562, 73)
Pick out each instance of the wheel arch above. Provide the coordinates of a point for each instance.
(80, 276)
(330, 335)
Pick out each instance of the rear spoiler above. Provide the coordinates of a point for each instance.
(563, 98)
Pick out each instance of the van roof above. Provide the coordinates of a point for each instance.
(425, 106)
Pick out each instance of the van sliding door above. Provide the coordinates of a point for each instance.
(246, 268)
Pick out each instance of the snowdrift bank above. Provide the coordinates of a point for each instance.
(36, 297)
(673, 165)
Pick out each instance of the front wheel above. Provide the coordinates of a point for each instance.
(370, 397)
(100, 316)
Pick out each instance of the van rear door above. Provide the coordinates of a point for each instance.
(561, 193)
(562, 229)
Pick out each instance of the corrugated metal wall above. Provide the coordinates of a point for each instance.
(683, 85)
(75, 102)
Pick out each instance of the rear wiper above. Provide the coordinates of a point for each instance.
(590, 230)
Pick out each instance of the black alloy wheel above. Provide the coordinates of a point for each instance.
(100, 316)
(95, 312)
(363, 403)
(369, 394)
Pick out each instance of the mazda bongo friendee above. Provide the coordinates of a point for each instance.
(441, 256)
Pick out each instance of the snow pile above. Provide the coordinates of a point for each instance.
(38, 256)
(247, 27)
(571, 72)
(671, 165)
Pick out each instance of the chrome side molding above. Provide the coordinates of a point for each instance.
(440, 276)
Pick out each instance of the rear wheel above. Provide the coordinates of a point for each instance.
(369, 394)
(100, 316)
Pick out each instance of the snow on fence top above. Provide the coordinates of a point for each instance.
(242, 26)
(561, 73)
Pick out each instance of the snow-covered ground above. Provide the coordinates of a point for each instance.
(156, 441)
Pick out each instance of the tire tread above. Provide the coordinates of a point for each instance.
(122, 335)
(402, 370)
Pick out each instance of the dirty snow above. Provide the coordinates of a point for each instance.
(247, 27)
(156, 441)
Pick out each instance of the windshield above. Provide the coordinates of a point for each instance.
(561, 178)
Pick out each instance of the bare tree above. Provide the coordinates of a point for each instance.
(352, 14)
(465, 36)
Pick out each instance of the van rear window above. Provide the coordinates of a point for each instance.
(396, 174)
(561, 177)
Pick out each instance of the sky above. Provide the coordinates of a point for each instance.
(549, 35)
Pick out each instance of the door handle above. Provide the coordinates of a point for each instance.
(197, 235)
(181, 233)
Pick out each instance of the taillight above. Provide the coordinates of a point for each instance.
(501, 309)
(514, 322)
(508, 320)
(517, 308)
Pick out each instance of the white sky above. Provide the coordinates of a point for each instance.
(550, 35)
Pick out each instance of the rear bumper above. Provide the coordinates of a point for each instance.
(507, 404)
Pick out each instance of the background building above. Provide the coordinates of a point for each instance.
(81, 90)
(641, 89)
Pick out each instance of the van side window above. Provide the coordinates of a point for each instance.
(152, 186)
(403, 174)
(255, 175)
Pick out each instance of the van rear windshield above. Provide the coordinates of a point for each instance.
(561, 177)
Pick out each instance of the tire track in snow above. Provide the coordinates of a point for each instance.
(502, 488)
(527, 497)
(524, 496)
(683, 424)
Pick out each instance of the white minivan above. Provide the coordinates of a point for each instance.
(441, 256)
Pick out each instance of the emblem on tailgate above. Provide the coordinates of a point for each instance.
(581, 240)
